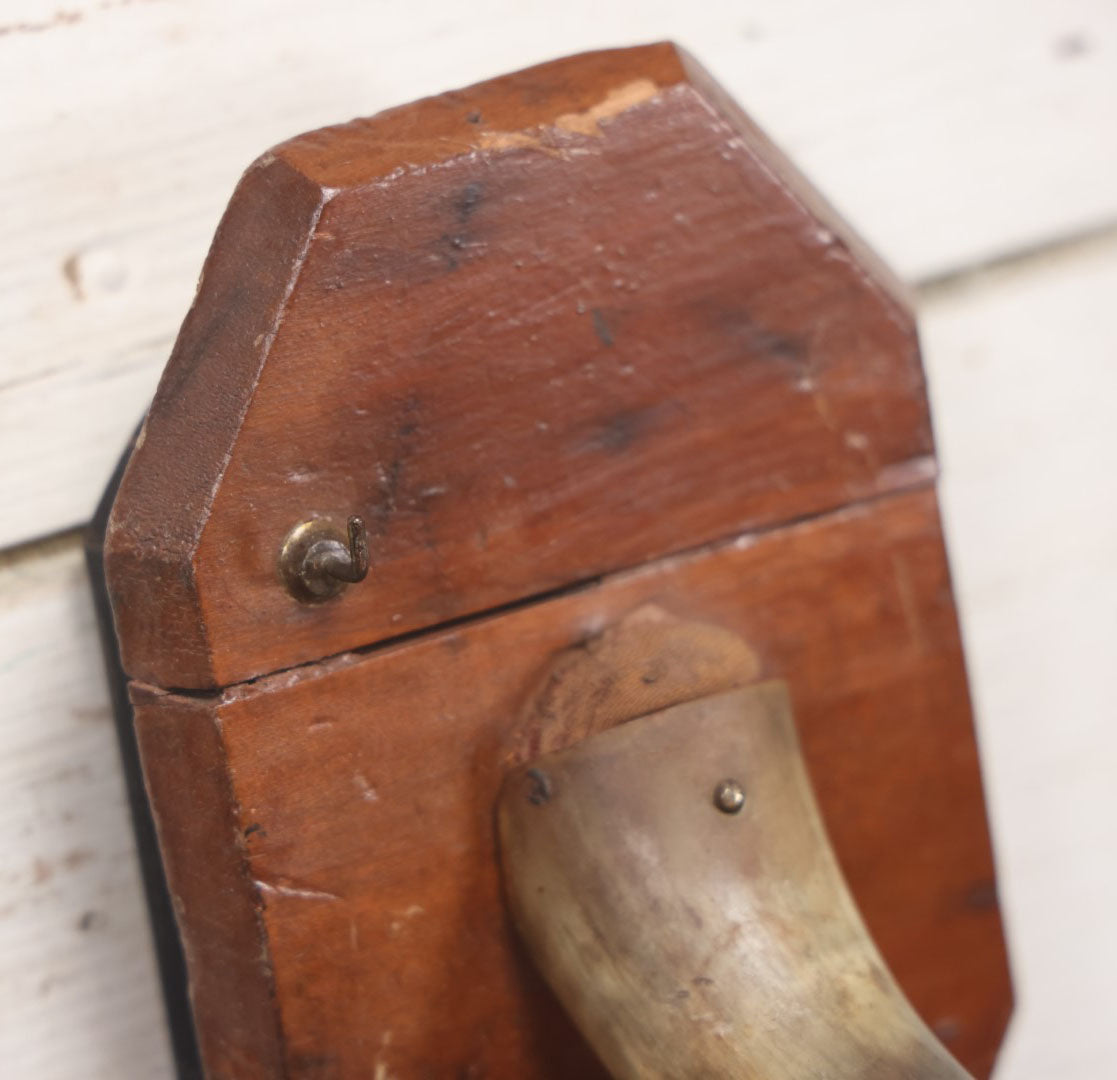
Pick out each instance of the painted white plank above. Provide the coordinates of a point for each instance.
(78, 990)
(1023, 364)
(949, 132)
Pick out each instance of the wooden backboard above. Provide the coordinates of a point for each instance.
(571, 342)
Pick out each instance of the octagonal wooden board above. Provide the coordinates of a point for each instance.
(572, 342)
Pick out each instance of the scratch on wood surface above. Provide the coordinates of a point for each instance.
(909, 604)
(368, 792)
(862, 446)
(396, 925)
(822, 408)
(292, 891)
(382, 1072)
(904, 475)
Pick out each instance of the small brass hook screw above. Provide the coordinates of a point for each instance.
(317, 561)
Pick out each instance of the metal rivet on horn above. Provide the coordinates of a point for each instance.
(729, 797)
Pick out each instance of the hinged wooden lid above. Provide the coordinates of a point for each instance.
(553, 325)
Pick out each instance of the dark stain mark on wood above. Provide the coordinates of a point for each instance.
(464, 204)
(982, 896)
(456, 244)
(208, 338)
(759, 342)
(755, 340)
(416, 257)
(620, 431)
(601, 327)
(315, 1066)
(469, 200)
(390, 476)
(780, 346)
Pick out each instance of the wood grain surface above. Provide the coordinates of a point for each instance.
(362, 793)
(534, 331)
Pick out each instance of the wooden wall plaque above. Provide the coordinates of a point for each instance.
(573, 343)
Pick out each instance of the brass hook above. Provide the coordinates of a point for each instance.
(316, 562)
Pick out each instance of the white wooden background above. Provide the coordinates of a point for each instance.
(974, 142)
